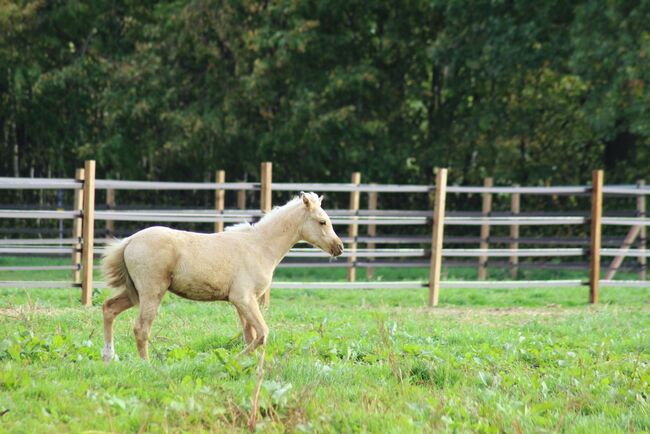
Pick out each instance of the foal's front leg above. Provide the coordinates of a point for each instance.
(247, 306)
(249, 331)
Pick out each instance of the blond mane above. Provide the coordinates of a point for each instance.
(275, 214)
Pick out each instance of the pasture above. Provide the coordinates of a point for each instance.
(488, 360)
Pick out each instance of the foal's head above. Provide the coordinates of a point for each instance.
(317, 228)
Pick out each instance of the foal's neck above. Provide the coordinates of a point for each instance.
(280, 232)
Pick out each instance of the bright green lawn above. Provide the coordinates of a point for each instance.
(337, 361)
(533, 360)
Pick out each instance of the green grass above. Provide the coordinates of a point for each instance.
(533, 360)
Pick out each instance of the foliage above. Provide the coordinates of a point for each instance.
(529, 92)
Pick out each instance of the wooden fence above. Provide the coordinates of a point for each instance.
(84, 247)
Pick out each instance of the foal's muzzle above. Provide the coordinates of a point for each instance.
(337, 249)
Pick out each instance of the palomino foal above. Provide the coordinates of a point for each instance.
(235, 266)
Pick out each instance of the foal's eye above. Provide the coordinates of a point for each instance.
(322, 222)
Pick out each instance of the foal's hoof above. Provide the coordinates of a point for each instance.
(109, 356)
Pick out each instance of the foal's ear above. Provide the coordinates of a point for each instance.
(305, 199)
(320, 199)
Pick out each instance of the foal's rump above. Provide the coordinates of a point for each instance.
(132, 263)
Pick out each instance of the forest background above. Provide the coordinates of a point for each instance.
(527, 92)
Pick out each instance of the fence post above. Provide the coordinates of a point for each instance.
(640, 212)
(241, 199)
(596, 231)
(437, 236)
(485, 230)
(88, 233)
(514, 233)
(77, 225)
(353, 229)
(266, 187)
(266, 181)
(110, 205)
(372, 229)
(219, 200)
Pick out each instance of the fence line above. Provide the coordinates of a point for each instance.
(82, 247)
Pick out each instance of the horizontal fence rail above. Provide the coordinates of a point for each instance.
(509, 221)
(511, 252)
(103, 184)
(449, 284)
(512, 284)
(36, 250)
(348, 188)
(568, 190)
(39, 267)
(622, 221)
(39, 184)
(24, 214)
(625, 252)
(628, 190)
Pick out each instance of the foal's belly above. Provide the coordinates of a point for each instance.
(199, 291)
(200, 273)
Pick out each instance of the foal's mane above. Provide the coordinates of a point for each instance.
(274, 215)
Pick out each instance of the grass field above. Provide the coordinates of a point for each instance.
(533, 360)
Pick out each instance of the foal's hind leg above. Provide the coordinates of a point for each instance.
(148, 311)
(112, 308)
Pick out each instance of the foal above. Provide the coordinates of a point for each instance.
(235, 266)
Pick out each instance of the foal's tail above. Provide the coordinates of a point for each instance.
(114, 269)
